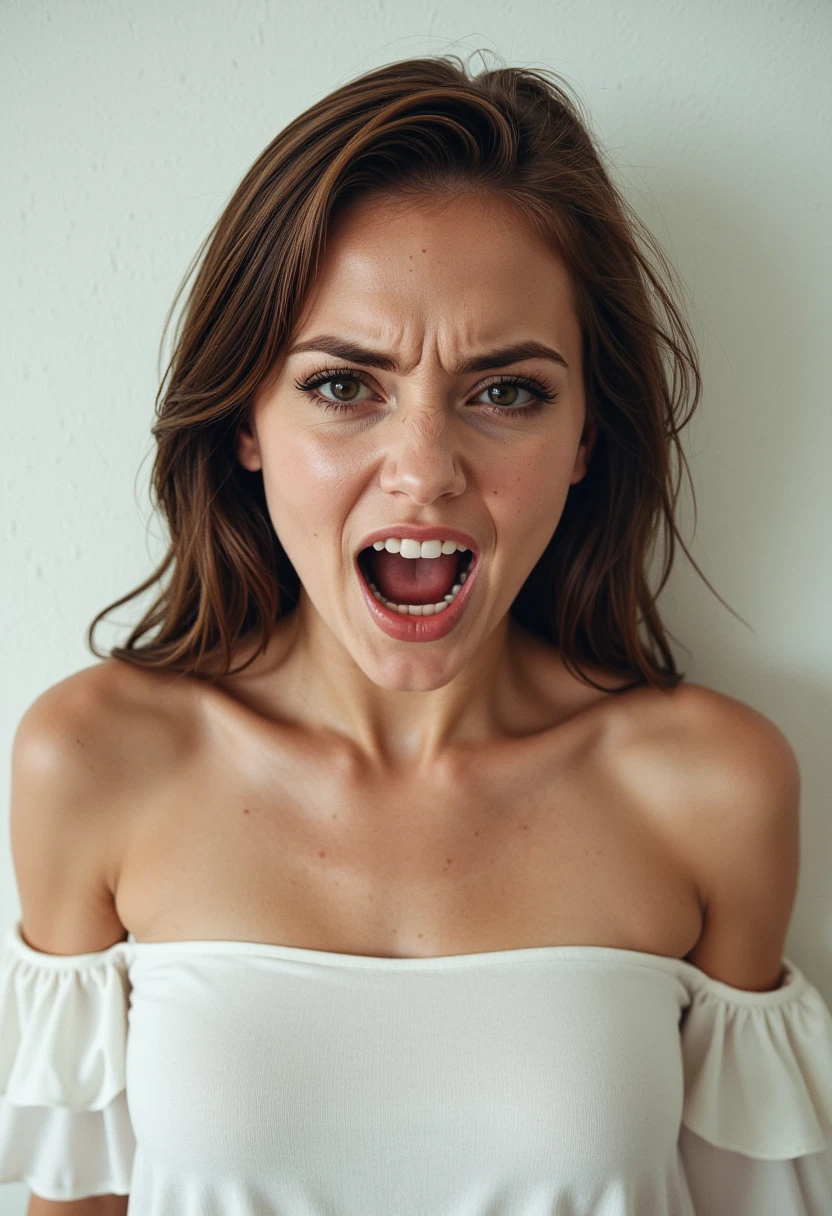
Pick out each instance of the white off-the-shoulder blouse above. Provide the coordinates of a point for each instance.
(231, 1078)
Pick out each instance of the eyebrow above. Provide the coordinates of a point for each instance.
(502, 356)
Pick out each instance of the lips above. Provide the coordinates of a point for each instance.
(417, 628)
(407, 628)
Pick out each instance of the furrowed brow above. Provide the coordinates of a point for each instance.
(352, 352)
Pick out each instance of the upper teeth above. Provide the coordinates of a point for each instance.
(415, 548)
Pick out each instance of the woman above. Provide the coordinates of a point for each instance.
(428, 885)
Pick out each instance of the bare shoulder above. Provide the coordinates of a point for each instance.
(723, 744)
(723, 781)
(80, 750)
(102, 725)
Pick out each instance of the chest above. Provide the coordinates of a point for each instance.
(508, 850)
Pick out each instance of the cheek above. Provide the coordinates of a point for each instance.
(306, 482)
(528, 494)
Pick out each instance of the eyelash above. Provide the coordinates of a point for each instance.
(543, 394)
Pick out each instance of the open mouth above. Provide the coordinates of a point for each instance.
(420, 586)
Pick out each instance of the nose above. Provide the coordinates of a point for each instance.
(421, 458)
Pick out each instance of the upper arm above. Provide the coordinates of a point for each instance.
(92, 1205)
(62, 776)
(742, 835)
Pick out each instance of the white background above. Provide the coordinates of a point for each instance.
(126, 126)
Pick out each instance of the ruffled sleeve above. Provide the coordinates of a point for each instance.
(756, 1137)
(65, 1129)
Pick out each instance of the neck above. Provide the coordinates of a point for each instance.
(403, 721)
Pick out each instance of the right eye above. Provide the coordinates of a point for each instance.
(342, 382)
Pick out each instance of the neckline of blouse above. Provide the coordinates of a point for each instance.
(791, 984)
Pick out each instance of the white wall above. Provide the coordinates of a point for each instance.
(128, 124)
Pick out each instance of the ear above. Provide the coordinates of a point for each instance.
(247, 446)
(588, 438)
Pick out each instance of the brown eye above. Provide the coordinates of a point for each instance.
(344, 386)
(342, 393)
(503, 394)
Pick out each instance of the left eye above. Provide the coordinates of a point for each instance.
(505, 389)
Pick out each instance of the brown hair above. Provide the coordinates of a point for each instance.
(416, 127)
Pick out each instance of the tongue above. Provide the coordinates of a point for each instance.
(413, 580)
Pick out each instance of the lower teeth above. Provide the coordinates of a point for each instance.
(421, 609)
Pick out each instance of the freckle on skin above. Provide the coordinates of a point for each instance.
(245, 810)
(321, 853)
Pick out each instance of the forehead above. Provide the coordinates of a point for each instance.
(467, 266)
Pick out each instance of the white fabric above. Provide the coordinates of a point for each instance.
(228, 1078)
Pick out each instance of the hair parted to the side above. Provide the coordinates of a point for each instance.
(423, 126)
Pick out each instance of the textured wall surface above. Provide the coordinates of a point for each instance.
(127, 125)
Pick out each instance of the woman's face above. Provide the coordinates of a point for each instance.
(433, 419)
